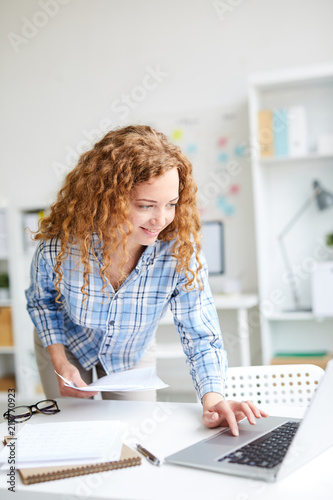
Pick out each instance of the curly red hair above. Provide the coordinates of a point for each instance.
(95, 200)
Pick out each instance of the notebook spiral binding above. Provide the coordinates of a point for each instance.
(128, 459)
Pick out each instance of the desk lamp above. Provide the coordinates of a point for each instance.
(324, 200)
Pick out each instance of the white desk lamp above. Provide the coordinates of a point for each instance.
(324, 200)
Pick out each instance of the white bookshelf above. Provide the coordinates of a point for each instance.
(241, 304)
(5, 302)
(7, 351)
(26, 373)
(281, 185)
(311, 157)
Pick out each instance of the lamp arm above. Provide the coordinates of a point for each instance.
(297, 216)
(291, 280)
(283, 233)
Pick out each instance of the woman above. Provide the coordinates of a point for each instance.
(119, 246)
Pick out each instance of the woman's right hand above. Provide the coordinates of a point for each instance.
(68, 371)
(72, 374)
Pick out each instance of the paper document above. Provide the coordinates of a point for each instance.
(61, 443)
(138, 379)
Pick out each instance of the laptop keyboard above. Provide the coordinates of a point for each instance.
(266, 451)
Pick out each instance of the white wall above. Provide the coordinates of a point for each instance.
(69, 74)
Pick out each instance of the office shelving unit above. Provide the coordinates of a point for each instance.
(20, 253)
(281, 185)
(7, 346)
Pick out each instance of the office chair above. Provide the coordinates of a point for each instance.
(289, 385)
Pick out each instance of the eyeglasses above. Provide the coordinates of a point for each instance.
(20, 414)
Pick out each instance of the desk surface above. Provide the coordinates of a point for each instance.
(164, 428)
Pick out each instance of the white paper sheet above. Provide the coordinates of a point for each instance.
(139, 379)
(65, 443)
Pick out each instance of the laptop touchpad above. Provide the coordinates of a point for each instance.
(225, 442)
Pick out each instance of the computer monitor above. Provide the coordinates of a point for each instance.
(213, 246)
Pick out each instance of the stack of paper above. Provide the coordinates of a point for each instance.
(140, 379)
(65, 443)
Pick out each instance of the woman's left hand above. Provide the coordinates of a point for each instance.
(228, 413)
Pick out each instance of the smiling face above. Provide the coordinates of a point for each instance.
(152, 207)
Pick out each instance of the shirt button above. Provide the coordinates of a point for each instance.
(111, 322)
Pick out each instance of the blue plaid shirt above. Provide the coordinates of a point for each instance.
(116, 330)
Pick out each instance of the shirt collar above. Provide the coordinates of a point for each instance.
(147, 257)
(149, 254)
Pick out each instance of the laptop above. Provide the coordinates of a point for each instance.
(271, 449)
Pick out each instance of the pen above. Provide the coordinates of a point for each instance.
(149, 456)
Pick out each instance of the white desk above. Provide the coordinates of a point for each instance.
(241, 303)
(164, 428)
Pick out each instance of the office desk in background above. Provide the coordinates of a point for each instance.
(240, 303)
(164, 428)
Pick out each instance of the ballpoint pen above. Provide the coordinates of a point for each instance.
(149, 456)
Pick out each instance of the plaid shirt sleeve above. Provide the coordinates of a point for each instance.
(197, 323)
(44, 311)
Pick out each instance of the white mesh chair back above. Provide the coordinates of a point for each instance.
(290, 385)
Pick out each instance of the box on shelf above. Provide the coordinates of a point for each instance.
(7, 382)
(312, 358)
(3, 236)
(325, 144)
(30, 220)
(297, 131)
(6, 330)
(280, 131)
(265, 130)
(322, 289)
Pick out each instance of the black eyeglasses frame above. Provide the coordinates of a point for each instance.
(26, 416)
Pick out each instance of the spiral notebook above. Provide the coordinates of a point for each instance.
(128, 458)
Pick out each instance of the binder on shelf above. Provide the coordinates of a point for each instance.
(3, 236)
(6, 328)
(265, 133)
(128, 458)
(325, 145)
(30, 220)
(7, 382)
(297, 131)
(280, 129)
(3, 225)
(322, 289)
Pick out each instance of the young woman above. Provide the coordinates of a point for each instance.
(120, 245)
